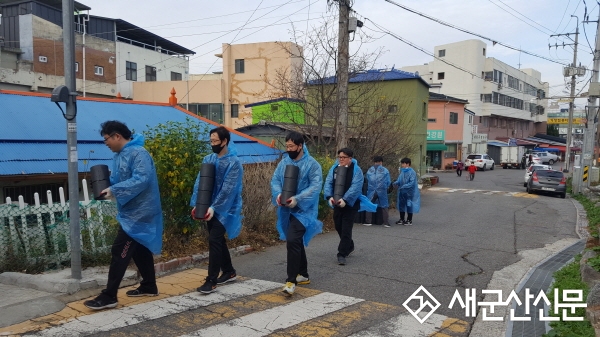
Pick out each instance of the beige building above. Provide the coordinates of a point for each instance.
(250, 74)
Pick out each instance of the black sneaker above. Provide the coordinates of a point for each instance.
(227, 277)
(408, 223)
(341, 260)
(208, 287)
(400, 222)
(101, 302)
(352, 251)
(139, 292)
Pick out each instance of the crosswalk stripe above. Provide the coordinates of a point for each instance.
(472, 191)
(342, 322)
(268, 321)
(467, 191)
(118, 318)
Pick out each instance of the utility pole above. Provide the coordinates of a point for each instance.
(592, 115)
(572, 71)
(68, 8)
(342, 73)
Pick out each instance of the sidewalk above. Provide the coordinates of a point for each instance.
(34, 301)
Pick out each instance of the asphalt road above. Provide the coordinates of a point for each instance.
(458, 240)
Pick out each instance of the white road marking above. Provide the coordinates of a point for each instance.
(404, 325)
(268, 321)
(117, 318)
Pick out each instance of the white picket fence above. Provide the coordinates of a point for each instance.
(48, 233)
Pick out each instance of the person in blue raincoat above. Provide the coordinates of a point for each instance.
(224, 213)
(409, 197)
(134, 186)
(351, 202)
(379, 181)
(297, 221)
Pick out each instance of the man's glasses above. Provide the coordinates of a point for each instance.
(343, 157)
(109, 137)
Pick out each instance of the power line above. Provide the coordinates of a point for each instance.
(494, 41)
(527, 23)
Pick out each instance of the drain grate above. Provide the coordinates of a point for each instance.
(540, 279)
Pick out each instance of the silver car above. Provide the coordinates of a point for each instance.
(550, 181)
(532, 168)
(546, 157)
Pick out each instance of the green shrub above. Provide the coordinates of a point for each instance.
(177, 149)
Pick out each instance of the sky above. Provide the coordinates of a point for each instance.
(203, 26)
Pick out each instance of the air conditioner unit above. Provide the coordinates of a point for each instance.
(43, 59)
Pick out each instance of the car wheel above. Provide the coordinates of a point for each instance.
(483, 168)
(524, 184)
(529, 190)
(550, 161)
(493, 164)
(504, 167)
(563, 195)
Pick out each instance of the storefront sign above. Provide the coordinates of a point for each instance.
(436, 134)
(480, 138)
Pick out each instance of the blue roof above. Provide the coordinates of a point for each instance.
(33, 132)
(373, 76)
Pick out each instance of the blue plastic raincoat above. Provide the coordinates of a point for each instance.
(408, 197)
(354, 193)
(379, 181)
(227, 193)
(310, 181)
(135, 187)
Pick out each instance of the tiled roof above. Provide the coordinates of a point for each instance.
(373, 76)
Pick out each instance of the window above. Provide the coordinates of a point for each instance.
(274, 107)
(453, 118)
(486, 121)
(441, 76)
(150, 74)
(76, 67)
(424, 112)
(130, 71)
(176, 76)
(483, 51)
(98, 70)
(234, 111)
(431, 120)
(213, 111)
(441, 52)
(486, 98)
(392, 108)
(239, 66)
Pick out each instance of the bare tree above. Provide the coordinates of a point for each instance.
(377, 125)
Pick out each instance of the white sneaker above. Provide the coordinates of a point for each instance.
(289, 288)
(366, 224)
(302, 280)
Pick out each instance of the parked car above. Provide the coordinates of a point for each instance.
(481, 161)
(531, 169)
(550, 181)
(546, 157)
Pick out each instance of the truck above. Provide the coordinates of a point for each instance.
(510, 156)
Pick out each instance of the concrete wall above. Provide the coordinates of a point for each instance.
(262, 62)
(164, 64)
(440, 111)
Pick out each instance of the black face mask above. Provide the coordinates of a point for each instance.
(294, 154)
(217, 148)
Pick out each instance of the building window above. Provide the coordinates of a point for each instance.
(453, 118)
(176, 76)
(76, 67)
(431, 120)
(486, 121)
(274, 107)
(441, 52)
(98, 70)
(392, 108)
(235, 111)
(483, 51)
(424, 112)
(150, 74)
(470, 119)
(239, 66)
(130, 71)
(441, 76)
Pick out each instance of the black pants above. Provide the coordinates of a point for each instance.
(459, 172)
(218, 254)
(471, 176)
(409, 218)
(125, 248)
(296, 255)
(343, 218)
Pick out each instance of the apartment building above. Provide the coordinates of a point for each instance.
(110, 54)
(507, 102)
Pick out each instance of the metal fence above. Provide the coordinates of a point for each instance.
(40, 233)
